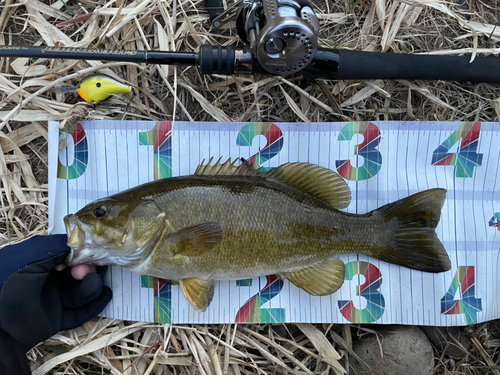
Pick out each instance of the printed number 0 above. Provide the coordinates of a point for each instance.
(251, 312)
(161, 138)
(80, 159)
(375, 302)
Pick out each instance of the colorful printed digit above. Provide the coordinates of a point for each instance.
(161, 138)
(467, 304)
(495, 221)
(80, 159)
(375, 302)
(467, 157)
(162, 298)
(367, 149)
(274, 137)
(251, 311)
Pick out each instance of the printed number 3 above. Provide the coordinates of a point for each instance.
(367, 149)
(375, 302)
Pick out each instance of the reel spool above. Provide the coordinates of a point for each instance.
(283, 34)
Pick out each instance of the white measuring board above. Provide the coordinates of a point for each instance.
(381, 161)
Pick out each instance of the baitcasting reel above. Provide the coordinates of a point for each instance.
(282, 34)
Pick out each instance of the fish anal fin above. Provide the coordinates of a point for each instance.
(196, 239)
(320, 279)
(319, 182)
(198, 292)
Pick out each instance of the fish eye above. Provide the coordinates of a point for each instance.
(99, 212)
(98, 84)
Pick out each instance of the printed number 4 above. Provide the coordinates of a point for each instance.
(467, 157)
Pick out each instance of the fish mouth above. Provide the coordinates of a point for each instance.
(82, 251)
(76, 238)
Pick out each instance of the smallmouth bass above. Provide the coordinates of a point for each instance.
(234, 222)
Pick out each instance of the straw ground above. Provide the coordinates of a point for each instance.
(32, 93)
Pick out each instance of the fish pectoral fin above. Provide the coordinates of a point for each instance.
(197, 239)
(320, 279)
(198, 292)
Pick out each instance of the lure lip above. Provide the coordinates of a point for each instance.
(80, 92)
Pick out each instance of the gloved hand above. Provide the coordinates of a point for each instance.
(36, 301)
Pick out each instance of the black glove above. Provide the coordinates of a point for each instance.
(36, 301)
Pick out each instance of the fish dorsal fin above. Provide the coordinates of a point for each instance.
(319, 279)
(228, 168)
(319, 182)
(198, 292)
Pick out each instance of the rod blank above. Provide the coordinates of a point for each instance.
(69, 53)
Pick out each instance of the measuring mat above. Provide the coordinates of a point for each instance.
(381, 162)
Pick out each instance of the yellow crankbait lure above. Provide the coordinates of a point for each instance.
(100, 87)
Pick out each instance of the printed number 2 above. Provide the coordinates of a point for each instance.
(274, 144)
(251, 312)
(375, 302)
(468, 304)
(467, 157)
(160, 138)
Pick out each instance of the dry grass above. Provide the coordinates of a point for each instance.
(29, 100)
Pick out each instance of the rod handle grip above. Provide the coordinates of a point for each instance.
(217, 59)
(376, 65)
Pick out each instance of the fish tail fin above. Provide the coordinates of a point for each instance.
(414, 243)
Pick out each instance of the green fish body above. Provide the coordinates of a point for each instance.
(227, 222)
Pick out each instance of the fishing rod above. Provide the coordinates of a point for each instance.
(281, 38)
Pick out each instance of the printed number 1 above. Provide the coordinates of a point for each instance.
(161, 138)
